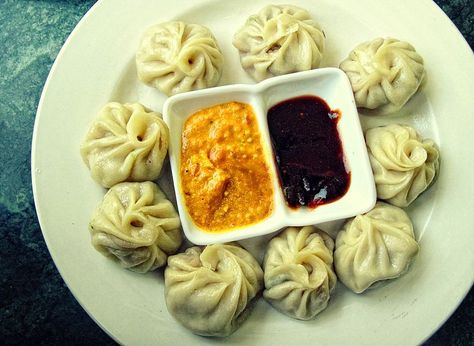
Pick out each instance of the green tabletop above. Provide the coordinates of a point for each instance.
(35, 304)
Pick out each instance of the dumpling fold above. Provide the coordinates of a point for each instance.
(136, 226)
(176, 57)
(384, 74)
(279, 40)
(299, 274)
(403, 163)
(126, 142)
(210, 291)
(375, 246)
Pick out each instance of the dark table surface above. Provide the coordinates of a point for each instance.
(35, 304)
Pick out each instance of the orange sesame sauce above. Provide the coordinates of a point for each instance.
(225, 178)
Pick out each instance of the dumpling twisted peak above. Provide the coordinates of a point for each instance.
(384, 74)
(209, 290)
(137, 226)
(403, 163)
(125, 143)
(375, 246)
(279, 40)
(299, 275)
(176, 57)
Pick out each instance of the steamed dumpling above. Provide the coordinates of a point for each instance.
(375, 246)
(403, 163)
(210, 291)
(299, 276)
(125, 143)
(384, 74)
(137, 226)
(279, 40)
(176, 57)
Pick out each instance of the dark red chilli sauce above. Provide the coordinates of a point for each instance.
(308, 151)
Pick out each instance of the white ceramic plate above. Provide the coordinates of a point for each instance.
(96, 65)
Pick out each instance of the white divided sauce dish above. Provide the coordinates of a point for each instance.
(330, 84)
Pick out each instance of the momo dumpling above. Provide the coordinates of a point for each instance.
(404, 164)
(176, 57)
(279, 40)
(210, 290)
(125, 142)
(137, 226)
(375, 246)
(299, 275)
(384, 74)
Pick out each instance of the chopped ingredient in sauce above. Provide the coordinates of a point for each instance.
(225, 178)
(308, 151)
